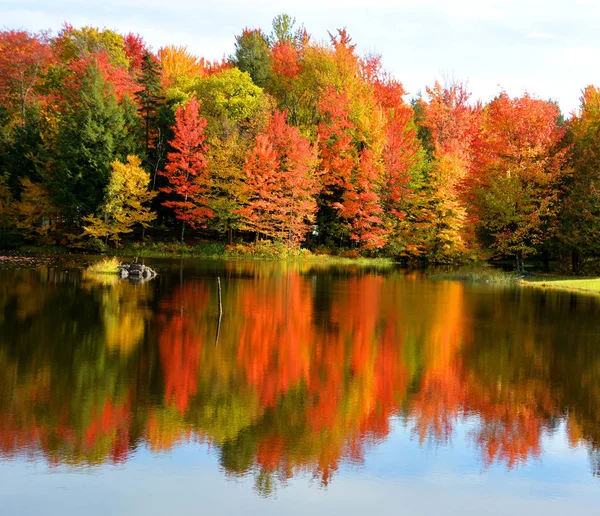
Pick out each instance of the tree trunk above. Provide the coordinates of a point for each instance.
(575, 262)
(519, 258)
(546, 260)
(182, 229)
(230, 235)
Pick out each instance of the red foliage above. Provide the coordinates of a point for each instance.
(187, 170)
(285, 60)
(118, 77)
(23, 57)
(338, 157)
(135, 49)
(280, 182)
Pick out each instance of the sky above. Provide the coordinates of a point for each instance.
(548, 48)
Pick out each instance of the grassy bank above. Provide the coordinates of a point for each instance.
(480, 273)
(488, 275)
(589, 285)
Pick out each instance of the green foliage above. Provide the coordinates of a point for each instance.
(252, 55)
(229, 95)
(91, 136)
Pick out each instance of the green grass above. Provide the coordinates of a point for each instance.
(591, 285)
(105, 266)
(477, 274)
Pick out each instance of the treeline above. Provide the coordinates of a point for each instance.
(288, 140)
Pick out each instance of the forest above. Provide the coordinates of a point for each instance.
(289, 141)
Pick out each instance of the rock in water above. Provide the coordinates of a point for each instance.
(136, 272)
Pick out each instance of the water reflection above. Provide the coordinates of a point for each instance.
(310, 368)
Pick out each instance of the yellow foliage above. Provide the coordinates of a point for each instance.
(124, 202)
(178, 65)
(36, 214)
(7, 205)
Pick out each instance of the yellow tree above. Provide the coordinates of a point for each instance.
(125, 202)
(7, 208)
(36, 214)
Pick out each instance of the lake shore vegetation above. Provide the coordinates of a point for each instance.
(289, 148)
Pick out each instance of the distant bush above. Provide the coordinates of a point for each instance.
(350, 253)
(477, 274)
(267, 249)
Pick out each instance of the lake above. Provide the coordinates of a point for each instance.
(319, 389)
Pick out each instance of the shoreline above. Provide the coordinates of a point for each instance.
(210, 252)
(543, 281)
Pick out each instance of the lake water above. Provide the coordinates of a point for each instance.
(320, 390)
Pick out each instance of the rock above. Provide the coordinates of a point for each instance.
(136, 272)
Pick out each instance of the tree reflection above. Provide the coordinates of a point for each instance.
(310, 370)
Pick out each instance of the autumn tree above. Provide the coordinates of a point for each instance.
(186, 170)
(580, 210)
(228, 97)
(280, 183)
(23, 59)
(402, 161)
(73, 44)
(519, 172)
(179, 66)
(452, 125)
(350, 207)
(227, 192)
(125, 203)
(37, 216)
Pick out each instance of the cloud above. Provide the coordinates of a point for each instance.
(540, 35)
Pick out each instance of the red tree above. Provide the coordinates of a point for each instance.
(23, 57)
(187, 170)
(349, 178)
(281, 182)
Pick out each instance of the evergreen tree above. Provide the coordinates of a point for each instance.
(252, 55)
(90, 137)
(150, 98)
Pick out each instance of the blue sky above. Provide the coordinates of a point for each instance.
(547, 47)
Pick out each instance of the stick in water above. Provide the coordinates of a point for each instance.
(220, 311)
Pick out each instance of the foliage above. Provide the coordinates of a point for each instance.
(90, 136)
(125, 203)
(227, 193)
(252, 55)
(519, 173)
(24, 58)
(280, 183)
(186, 170)
(298, 140)
(37, 216)
(104, 266)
